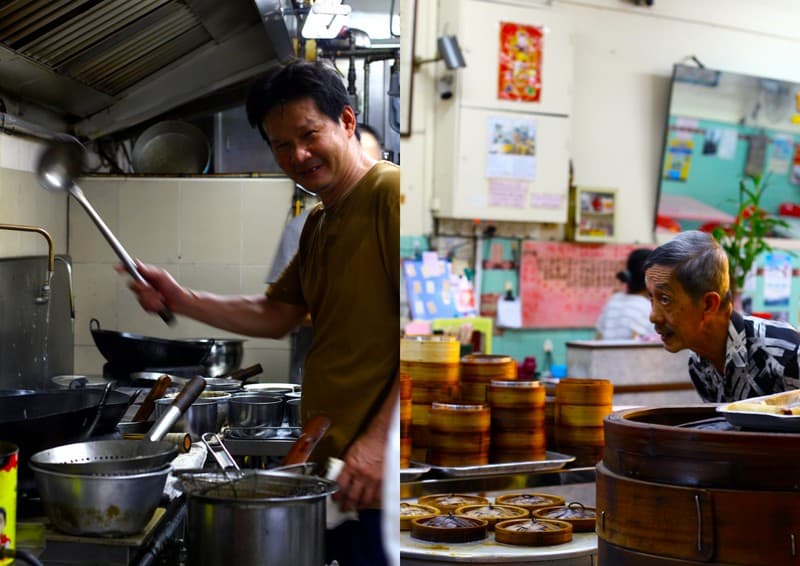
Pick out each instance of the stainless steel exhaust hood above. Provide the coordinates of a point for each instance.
(108, 65)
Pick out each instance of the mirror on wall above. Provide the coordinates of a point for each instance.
(722, 127)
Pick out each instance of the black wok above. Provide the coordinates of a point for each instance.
(43, 420)
(136, 351)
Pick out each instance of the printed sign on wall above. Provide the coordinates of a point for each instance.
(520, 63)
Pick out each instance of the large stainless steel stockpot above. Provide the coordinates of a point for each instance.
(276, 518)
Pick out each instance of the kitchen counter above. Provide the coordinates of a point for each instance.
(643, 373)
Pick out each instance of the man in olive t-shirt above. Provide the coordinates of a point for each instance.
(346, 275)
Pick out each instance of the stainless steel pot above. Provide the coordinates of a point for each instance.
(221, 398)
(100, 505)
(293, 412)
(255, 409)
(276, 518)
(200, 417)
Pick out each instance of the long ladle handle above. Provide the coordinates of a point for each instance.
(130, 266)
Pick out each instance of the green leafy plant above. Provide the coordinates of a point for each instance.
(745, 239)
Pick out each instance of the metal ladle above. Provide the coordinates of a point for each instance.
(59, 165)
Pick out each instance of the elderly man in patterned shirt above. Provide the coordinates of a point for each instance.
(733, 357)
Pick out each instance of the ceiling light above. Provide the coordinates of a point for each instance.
(325, 19)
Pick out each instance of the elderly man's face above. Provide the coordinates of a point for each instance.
(676, 316)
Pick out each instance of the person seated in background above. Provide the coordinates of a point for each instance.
(626, 315)
(733, 357)
(300, 338)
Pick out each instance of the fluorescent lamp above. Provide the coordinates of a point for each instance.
(325, 20)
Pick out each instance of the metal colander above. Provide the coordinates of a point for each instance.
(106, 457)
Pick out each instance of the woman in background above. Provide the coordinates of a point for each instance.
(626, 315)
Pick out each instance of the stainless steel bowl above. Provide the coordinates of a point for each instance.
(100, 505)
(268, 387)
(201, 416)
(255, 409)
(221, 398)
(224, 356)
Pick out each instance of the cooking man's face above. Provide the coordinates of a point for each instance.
(309, 146)
(676, 316)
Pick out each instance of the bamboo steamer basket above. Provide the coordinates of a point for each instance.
(661, 445)
(492, 514)
(550, 421)
(430, 349)
(431, 373)
(580, 436)
(512, 394)
(456, 459)
(405, 386)
(518, 445)
(533, 532)
(483, 368)
(582, 415)
(449, 502)
(708, 525)
(478, 370)
(530, 501)
(451, 417)
(458, 442)
(584, 391)
(459, 435)
(581, 407)
(516, 419)
(409, 511)
(519, 440)
(405, 452)
(450, 529)
(425, 395)
(473, 392)
(583, 519)
(608, 553)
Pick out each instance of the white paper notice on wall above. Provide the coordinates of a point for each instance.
(507, 193)
(727, 143)
(547, 200)
(509, 313)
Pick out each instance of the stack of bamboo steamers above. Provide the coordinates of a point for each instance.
(467, 411)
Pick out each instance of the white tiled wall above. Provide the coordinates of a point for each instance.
(212, 234)
(23, 201)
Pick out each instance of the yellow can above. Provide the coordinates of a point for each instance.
(8, 497)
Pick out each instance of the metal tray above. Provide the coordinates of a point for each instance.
(760, 421)
(411, 474)
(553, 461)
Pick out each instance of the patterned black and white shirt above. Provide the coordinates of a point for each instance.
(761, 358)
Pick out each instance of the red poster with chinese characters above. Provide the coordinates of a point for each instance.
(520, 64)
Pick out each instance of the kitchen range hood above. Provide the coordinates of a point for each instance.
(102, 66)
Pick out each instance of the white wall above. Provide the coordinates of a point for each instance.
(23, 201)
(623, 58)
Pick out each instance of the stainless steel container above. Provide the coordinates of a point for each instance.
(224, 356)
(293, 412)
(201, 416)
(255, 409)
(100, 505)
(220, 397)
(275, 519)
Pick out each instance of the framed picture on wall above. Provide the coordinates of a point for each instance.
(595, 214)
